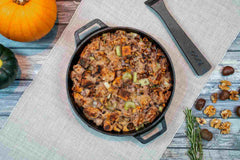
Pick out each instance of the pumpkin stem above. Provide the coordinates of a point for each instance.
(21, 2)
(1, 63)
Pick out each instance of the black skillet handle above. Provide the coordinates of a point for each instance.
(192, 53)
(87, 26)
(155, 135)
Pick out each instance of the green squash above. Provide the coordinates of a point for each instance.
(8, 67)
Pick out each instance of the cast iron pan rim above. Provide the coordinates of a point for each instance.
(111, 29)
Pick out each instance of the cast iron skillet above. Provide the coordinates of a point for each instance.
(81, 43)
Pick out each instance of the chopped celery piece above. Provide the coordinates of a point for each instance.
(134, 77)
(109, 96)
(134, 34)
(118, 51)
(160, 108)
(128, 105)
(104, 34)
(139, 127)
(91, 58)
(127, 76)
(144, 82)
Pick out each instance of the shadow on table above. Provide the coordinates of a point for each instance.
(35, 47)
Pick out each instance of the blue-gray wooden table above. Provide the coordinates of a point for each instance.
(31, 56)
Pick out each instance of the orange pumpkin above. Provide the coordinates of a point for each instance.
(27, 20)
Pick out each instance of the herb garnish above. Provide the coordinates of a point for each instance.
(193, 133)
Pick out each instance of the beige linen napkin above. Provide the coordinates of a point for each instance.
(42, 125)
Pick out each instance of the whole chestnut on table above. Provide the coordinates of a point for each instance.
(200, 103)
(238, 111)
(206, 134)
(228, 70)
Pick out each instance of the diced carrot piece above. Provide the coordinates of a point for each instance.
(124, 39)
(117, 80)
(126, 50)
(77, 95)
(124, 98)
(100, 52)
(77, 88)
(138, 107)
(125, 129)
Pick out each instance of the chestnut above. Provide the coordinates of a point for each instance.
(228, 70)
(238, 111)
(200, 103)
(206, 134)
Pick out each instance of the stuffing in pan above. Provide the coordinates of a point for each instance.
(122, 81)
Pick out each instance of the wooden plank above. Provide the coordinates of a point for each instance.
(10, 96)
(37, 57)
(14, 91)
(65, 11)
(235, 128)
(3, 119)
(50, 39)
(219, 107)
(209, 154)
(229, 141)
(236, 44)
(30, 61)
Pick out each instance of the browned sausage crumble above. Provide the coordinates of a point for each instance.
(122, 81)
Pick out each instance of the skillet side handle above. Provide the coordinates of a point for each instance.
(87, 26)
(154, 135)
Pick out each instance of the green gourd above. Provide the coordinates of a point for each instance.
(8, 67)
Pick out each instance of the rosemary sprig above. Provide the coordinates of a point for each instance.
(193, 133)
